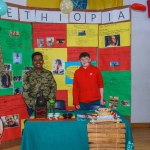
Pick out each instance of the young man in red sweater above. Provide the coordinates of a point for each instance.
(88, 84)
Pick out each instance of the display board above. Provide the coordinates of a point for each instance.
(12, 111)
(107, 41)
(16, 47)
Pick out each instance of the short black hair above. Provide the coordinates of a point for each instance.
(59, 62)
(36, 53)
(84, 54)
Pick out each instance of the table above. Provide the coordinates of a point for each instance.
(55, 135)
(129, 138)
(62, 135)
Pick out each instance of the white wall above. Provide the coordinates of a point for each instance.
(140, 65)
(126, 2)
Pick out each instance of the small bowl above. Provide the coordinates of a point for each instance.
(56, 115)
(50, 115)
(67, 115)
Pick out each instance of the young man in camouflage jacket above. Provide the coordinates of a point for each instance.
(36, 80)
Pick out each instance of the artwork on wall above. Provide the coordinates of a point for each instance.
(16, 47)
(61, 44)
(49, 35)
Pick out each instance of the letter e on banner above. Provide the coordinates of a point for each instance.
(12, 13)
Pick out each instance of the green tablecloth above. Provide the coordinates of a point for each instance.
(129, 138)
(62, 135)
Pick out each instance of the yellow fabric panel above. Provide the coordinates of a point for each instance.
(122, 29)
(103, 4)
(81, 35)
(70, 98)
(44, 3)
(50, 54)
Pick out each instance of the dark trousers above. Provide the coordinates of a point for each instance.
(30, 111)
(88, 106)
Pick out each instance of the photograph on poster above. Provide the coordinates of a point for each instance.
(60, 41)
(105, 102)
(81, 32)
(17, 58)
(17, 78)
(7, 67)
(6, 79)
(10, 121)
(58, 66)
(112, 40)
(27, 68)
(114, 63)
(113, 103)
(17, 90)
(14, 33)
(1, 128)
(40, 42)
(50, 41)
(125, 103)
(24, 73)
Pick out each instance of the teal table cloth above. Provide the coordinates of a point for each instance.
(63, 135)
(55, 135)
(129, 137)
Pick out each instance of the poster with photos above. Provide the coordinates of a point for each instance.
(114, 35)
(81, 35)
(10, 121)
(117, 93)
(49, 35)
(16, 53)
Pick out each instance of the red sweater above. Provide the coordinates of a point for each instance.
(87, 84)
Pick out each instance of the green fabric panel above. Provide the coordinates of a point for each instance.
(1, 61)
(118, 84)
(12, 43)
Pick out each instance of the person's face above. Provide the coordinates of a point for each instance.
(113, 39)
(1, 128)
(10, 120)
(85, 61)
(38, 62)
(58, 64)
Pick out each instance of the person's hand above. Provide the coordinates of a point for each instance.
(77, 106)
(101, 102)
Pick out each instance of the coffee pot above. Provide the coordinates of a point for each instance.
(41, 106)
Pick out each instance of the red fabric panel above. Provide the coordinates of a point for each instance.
(74, 52)
(12, 105)
(46, 31)
(116, 54)
(62, 95)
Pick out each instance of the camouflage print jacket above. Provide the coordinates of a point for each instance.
(33, 83)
